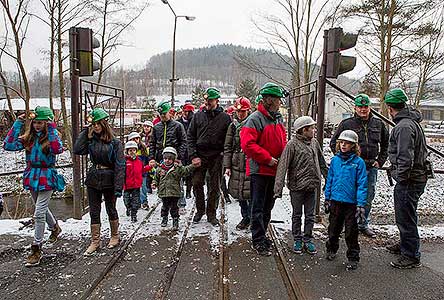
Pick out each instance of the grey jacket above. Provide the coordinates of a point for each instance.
(407, 147)
(304, 162)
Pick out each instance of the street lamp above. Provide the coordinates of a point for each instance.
(173, 72)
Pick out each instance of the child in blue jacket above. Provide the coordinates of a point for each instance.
(345, 197)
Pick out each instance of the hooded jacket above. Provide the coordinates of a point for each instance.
(407, 147)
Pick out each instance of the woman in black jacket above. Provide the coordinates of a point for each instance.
(106, 175)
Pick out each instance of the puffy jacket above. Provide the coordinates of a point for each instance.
(133, 173)
(206, 134)
(168, 134)
(262, 137)
(109, 155)
(373, 138)
(304, 161)
(347, 180)
(39, 174)
(168, 180)
(407, 148)
(235, 160)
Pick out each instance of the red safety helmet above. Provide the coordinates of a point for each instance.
(188, 107)
(230, 110)
(242, 103)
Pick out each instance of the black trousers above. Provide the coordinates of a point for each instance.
(95, 204)
(131, 198)
(343, 213)
(169, 204)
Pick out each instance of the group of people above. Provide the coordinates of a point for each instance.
(251, 148)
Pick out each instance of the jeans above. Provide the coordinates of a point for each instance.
(406, 201)
(262, 202)
(169, 204)
(341, 213)
(146, 189)
(131, 199)
(95, 204)
(372, 177)
(306, 199)
(42, 215)
(245, 206)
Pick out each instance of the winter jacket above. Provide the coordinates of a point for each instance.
(133, 174)
(235, 160)
(39, 174)
(373, 138)
(108, 169)
(206, 134)
(304, 161)
(262, 137)
(168, 134)
(347, 180)
(168, 180)
(186, 125)
(407, 147)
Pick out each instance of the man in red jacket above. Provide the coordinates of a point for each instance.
(263, 139)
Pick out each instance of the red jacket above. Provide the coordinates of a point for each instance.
(134, 171)
(262, 137)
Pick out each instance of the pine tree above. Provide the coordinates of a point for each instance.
(197, 96)
(247, 88)
(150, 109)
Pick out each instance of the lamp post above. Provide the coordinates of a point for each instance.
(173, 71)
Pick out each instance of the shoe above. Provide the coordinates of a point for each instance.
(310, 248)
(330, 256)
(405, 262)
(95, 240)
(197, 218)
(54, 234)
(176, 224)
(145, 206)
(34, 258)
(297, 247)
(352, 265)
(268, 242)
(115, 237)
(128, 212)
(243, 224)
(368, 232)
(214, 221)
(164, 222)
(188, 195)
(262, 249)
(133, 219)
(394, 249)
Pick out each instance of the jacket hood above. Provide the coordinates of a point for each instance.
(409, 113)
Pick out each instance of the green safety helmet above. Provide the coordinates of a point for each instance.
(43, 113)
(258, 99)
(163, 107)
(272, 89)
(395, 96)
(211, 93)
(362, 100)
(97, 114)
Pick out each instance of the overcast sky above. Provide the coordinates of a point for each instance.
(217, 21)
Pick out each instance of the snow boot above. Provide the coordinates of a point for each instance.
(34, 258)
(115, 238)
(175, 223)
(95, 240)
(54, 234)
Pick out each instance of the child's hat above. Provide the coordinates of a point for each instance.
(133, 135)
(130, 144)
(348, 135)
(170, 150)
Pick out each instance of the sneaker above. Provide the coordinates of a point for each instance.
(262, 249)
(368, 232)
(54, 234)
(310, 248)
(394, 249)
(197, 218)
(351, 265)
(405, 262)
(330, 256)
(176, 224)
(34, 258)
(297, 247)
(243, 224)
(133, 219)
(164, 222)
(214, 221)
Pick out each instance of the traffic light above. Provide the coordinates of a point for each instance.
(337, 41)
(83, 48)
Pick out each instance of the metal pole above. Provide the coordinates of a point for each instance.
(173, 77)
(76, 193)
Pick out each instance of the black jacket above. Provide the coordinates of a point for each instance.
(168, 134)
(186, 123)
(106, 155)
(407, 148)
(207, 131)
(373, 138)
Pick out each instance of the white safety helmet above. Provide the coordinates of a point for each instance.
(170, 150)
(148, 123)
(302, 122)
(133, 135)
(348, 135)
(131, 144)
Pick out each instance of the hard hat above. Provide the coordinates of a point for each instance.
(211, 93)
(133, 135)
(395, 96)
(362, 100)
(148, 123)
(348, 135)
(163, 106)
(97, 114)
(243, 103)
(170, 150)
(131, 144)
(43, 113)
(302, 122)
(188, 107)
(272, 89)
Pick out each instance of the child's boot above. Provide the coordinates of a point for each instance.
(175, 223)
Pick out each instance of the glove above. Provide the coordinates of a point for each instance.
(118, 194)
(327, 206)
(360, 214)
